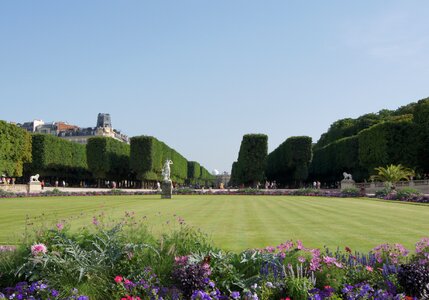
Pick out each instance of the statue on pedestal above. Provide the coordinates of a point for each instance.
(167, 185)
(347, 182)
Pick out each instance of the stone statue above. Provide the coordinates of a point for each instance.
(34, 178)
(166, 171)
(347, 176)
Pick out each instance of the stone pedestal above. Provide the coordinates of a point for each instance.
(347, 184)
(34, 187)
(166, 189)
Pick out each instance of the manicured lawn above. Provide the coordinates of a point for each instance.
(236, 222)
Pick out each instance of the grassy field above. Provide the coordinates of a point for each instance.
(236, 222)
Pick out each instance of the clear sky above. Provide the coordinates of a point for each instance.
(200, 74)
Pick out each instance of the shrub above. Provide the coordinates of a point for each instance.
(414, 278)
(351, 192)
(407, 193)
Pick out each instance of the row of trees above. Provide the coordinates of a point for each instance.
(148, 156)
(402, 137)
(355, 146)
(288, 164)
(15, 149)
(102, 158)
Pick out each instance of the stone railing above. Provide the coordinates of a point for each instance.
(372, 187)
(15, 188)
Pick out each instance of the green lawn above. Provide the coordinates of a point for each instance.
(237, 222)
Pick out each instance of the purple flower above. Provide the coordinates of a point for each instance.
(235, 295)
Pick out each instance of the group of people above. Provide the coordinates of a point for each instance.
(316, 185)
(7, 180)
(270, 185)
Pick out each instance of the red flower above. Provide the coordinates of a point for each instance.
(118, 279)
(348, 250)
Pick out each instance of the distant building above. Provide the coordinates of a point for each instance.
(75, 133)
(222, 179)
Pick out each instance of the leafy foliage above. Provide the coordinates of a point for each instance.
(252, 158)
(194, 171)
(289, 162)
(15, 149)
(148, 156)
(53, 156)
(388, 143)
(108, 158)
(331, 161)
(392, 174)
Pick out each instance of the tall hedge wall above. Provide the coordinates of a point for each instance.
(108, 158)
(15, 149)
(194, 171)
(147, 156)
(331, 161)
(206, 177)
(389, 143)
(53, 156)
(289, 162)
(421, 119)
(252, 158)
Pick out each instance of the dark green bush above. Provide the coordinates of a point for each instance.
(289, 162)
(252, 158)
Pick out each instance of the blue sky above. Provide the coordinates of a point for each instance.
(200, 74)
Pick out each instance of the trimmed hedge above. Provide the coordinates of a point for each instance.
(331, 161)
(421, 119)
(15, 149)
(289, 162)
(147, 156)
(194, 171)
(108, 158)
(388, 143)
(252, 158)
(53, 156)
(206, 177)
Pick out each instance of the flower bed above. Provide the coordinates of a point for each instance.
(125, 261)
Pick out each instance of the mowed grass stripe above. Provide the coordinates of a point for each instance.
(239, 222)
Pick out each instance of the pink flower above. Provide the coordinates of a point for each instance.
(329, 260)
(299, 245)
(118, 279)
(181, 260)
(95, 221)
(60, 226)
(301, 259)
(368, 268)
(38, 249)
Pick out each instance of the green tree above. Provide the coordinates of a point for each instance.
(56, 157)
(252, 159)
(147, 156)
(289, 162)
(108, 158)
(15, 149)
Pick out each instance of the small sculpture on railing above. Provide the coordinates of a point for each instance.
(347, 176)
(34, 178)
